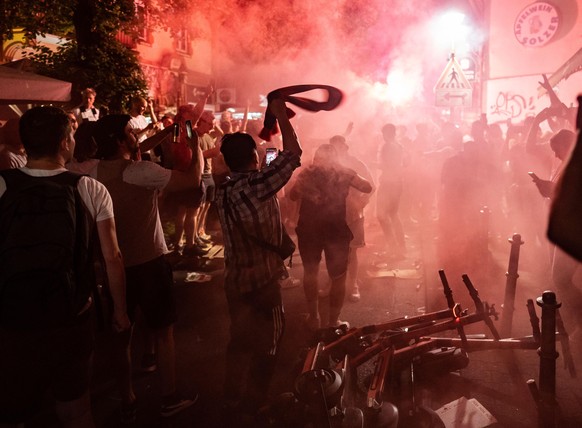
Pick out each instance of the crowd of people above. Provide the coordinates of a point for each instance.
(125, 172)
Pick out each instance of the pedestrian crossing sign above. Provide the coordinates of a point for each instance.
(453, 88)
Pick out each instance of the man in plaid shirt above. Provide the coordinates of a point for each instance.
(249, 214)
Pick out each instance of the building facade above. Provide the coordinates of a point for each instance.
(527, 39)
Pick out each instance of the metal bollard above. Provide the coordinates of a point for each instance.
(510, 286)
(547, 406)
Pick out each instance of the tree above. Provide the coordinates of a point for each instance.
(91, 55)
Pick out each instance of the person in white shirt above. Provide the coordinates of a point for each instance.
(135, 187)
(35, 359)
(87, 112)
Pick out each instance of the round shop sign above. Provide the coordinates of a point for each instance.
(536, 24)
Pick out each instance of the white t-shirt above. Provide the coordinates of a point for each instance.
(138, 123)
(148, 243)
(90, 115)
(93, 193)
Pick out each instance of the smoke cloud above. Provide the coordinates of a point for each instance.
(382, 55)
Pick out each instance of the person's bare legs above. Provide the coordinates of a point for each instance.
(202, 219)
(352, 288)
(166, 359)
(310, 273)
(179, 226)
(190, 226)
(122, 366)
(75, 413)
(336, 299)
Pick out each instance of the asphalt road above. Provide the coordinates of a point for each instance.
(390, 289)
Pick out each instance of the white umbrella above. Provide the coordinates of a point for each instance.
(20, 87)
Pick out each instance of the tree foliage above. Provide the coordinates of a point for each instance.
(91, 55)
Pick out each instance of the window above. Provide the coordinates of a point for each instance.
(182, 37)
(143, 33)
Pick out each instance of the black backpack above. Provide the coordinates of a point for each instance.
(46, 265)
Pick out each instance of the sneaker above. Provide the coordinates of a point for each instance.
(128, 413)
(172, 408)
(202, 243)
(205, 238)
(340, 324)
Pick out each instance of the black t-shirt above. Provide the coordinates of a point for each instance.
(323, 200)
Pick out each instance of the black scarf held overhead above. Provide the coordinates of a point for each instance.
(334, 97)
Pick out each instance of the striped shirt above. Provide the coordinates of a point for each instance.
(248, 206)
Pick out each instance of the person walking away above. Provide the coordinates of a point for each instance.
(47, 215)
(355, 204)
(322, 227)
(564, 266)
(391, 162)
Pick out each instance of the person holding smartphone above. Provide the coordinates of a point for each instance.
(271, 154)
(564, 266)
(247, 206)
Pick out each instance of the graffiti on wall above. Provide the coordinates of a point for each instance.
(510, 105)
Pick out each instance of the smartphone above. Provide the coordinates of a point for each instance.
(189, 129)
(176, 138)
(271, 155)
(533, 176)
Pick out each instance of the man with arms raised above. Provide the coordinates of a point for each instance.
(249, 216)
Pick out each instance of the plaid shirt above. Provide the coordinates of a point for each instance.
(248, 206)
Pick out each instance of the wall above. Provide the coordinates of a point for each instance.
(528, 39)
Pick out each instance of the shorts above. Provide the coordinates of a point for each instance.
(357, 228)
(149, 286)
(34, 361)
(191, 198)
(336, 252)
(209, 188)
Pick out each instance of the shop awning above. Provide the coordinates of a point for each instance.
(21, 87)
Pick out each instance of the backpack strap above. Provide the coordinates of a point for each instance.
(260, 242)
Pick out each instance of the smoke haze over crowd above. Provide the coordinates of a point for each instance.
(384, 55)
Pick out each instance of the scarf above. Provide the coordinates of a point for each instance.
(334, 97)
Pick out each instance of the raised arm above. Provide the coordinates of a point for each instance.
(554, 100)
(199, 107)
(191, 178)
(245, 122)
(290, 141)
(559, 117)
(531, 144)
(360, 183)
(156, 139)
